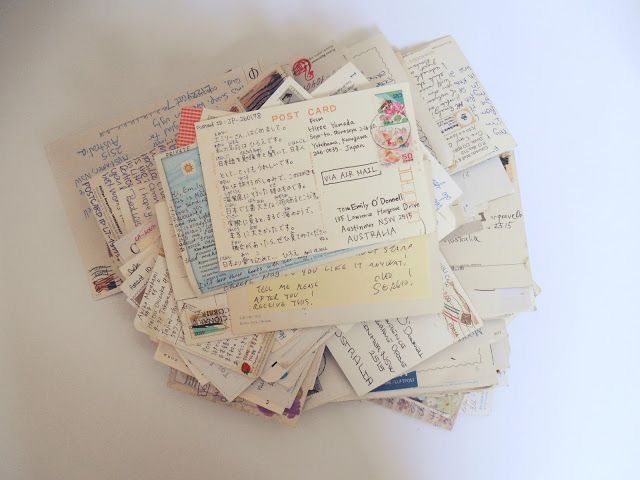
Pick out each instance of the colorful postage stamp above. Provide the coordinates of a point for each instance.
(391, 130)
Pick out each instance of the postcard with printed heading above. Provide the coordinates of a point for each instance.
(315, 177)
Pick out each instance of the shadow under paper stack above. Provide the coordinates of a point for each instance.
(344, 226)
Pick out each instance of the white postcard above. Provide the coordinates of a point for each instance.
(315, 177)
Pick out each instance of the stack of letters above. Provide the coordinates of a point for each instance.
(344, 226)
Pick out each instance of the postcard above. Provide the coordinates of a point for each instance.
(284, 337)
(297, 370)
(346, 79)
(330, 383)
(188, 384)
(137, 240)
(274, 396)
(452, 94)
(441, 374)
(137, 203)
(253, 96)
(133, 287)
(378, 61)
(167, 355)
(158, 317)
(229, 383)
(75, 159)
(281, 361)
(321, 176)
(440, 411)
(202, 319)
(311, 71)
(401, 279)
(177, 271)
(477, 402)
(288, 92)
(181, 175)
(482, 183)
(372, 353)
(102, 190)
(445, 189)
(481, 260)
(132, 264)
(189, 116)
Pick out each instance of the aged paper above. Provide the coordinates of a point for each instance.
(229, 383)
(377, 60)
(371, 353)
(496, 256)
(462, 373)
(280, 362)
(168, 355)
(102, 190)
(311, 71)
(158, 317)
(181, 175)
(133, 287)
(454, 96)
(313, 177)
(75, 159)
(137, 203)
(288, 92)
(188, 384)
(346, 79)
(440, 411)
(402, 279)
(330, 383)
(482, 183)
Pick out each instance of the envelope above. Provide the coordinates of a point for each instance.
(318, 176)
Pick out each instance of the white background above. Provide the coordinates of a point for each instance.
(81, 397)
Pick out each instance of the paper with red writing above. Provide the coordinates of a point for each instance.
(372, 353)
(311, 71)
(315, 177)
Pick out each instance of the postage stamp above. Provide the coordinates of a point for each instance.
(391, 130)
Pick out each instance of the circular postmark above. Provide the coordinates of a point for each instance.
(393, 140)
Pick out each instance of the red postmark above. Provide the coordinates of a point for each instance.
(303, 66)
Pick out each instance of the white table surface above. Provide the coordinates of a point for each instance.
(81, 397)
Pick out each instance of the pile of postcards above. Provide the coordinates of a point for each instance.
(345, 226)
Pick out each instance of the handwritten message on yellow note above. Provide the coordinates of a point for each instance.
(390, 281)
